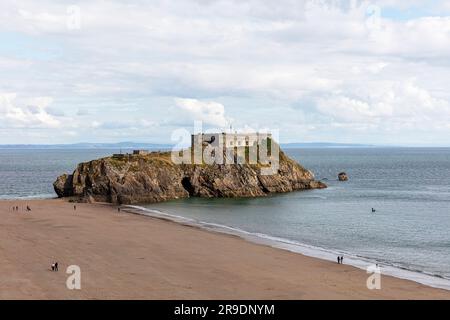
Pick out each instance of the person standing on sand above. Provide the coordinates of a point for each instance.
(339, 260)
(342, 259)
(74, 207)
(56, 266)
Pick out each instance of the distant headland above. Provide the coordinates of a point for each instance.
(166, 146)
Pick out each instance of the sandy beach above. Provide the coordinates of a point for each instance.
(127, 256)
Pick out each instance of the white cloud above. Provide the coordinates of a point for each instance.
(29, 113)
(209, 112)
(288, 57)
(388, 105)
(346, 109)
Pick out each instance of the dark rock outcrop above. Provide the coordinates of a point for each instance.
(343, 176)
(63, 186)
(155, 178)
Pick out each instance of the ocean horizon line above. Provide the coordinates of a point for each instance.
(143, 145)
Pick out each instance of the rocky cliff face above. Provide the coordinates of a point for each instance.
(154, 178)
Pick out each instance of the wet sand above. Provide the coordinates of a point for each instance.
(127, 256)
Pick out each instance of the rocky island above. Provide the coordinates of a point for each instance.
(153, 177)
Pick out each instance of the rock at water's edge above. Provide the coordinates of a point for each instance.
(155, 178)
(343, 176)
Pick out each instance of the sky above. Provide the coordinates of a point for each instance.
(372, 72)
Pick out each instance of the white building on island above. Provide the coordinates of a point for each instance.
(230, 140)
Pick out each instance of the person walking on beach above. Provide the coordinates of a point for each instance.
(342, 259)
(74, 207)
(55, 266)
(339, 260)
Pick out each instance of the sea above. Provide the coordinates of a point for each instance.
(408, 235)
